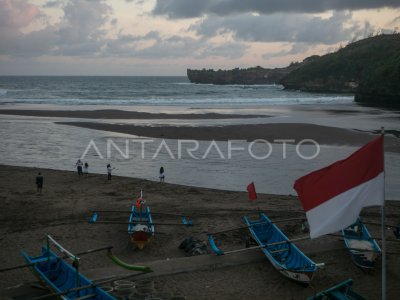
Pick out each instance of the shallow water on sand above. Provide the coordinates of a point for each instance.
(38, 142)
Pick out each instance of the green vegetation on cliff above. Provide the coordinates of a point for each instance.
(256, 75)
(370, 68)
(382, 86)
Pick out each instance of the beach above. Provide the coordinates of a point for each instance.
(212, 141)
(63, 210)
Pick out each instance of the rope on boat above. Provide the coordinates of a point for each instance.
(124, 265)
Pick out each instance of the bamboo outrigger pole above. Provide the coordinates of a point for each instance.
(255, 224)
(218, 251)
(128, 212)
(63, 257)
(133, 223)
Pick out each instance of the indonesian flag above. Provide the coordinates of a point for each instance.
(251, 189)
(333, 197)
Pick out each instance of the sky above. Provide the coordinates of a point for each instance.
(165, 37)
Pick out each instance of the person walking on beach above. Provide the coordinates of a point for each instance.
(162, 174)
(39, 182)
(79, 165)
(109, 170)
(86, 169)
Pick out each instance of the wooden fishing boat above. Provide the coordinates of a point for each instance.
(341, 291)
(140, 226)
(364, 250)
(62, 278)
(280, 251)
(140, 223)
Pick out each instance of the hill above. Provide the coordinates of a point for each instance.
(370, 68)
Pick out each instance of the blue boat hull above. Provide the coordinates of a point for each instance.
(60, 277)
(364, 250)
(140, 228)
(283, 255)
(342, 291)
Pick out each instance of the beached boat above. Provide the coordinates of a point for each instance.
(62, 278)
(341, 291)
(280, 251)
(364, 250)
(140, 226)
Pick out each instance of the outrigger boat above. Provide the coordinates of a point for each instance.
(342, 291)
(278, 249)
(364, 250)
(61, 277)
(141, 227)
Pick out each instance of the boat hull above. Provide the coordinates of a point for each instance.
(283, 255)
(363, 249)
(341, 291)
(141, 238)
(61, 277)
(140, 228)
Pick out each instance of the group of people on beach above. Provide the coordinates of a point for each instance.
(82, 168)
(79, 165)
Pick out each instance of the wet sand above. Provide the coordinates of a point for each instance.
(120, 114)
(63, 210)
(294, 132)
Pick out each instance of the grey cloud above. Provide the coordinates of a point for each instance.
(228, 50)
(281, 28)
(79, 33)
(295, 48)
(197, 8)
(170, 47)
(53, 3)
(395, 21)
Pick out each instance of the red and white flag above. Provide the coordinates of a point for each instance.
(333, 197)
(251, 189)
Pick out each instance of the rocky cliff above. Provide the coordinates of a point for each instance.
(256, 75)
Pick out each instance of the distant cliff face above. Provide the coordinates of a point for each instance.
(369, 68)
(248, 76)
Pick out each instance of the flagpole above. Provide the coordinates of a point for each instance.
(383, 226)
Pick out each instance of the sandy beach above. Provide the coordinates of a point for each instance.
(63, 210)
(294, 132)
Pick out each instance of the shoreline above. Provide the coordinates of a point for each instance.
(122, 114)
(64, 207)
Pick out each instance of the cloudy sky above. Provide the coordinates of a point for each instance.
(165, 37)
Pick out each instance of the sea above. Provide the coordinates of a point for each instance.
(41, 142)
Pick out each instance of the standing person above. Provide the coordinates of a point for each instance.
(109, 170)
(79, 165)
(39, 182)
(162, 174)
(86, 169)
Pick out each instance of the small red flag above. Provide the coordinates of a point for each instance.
(138, 202)
(252, 191)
